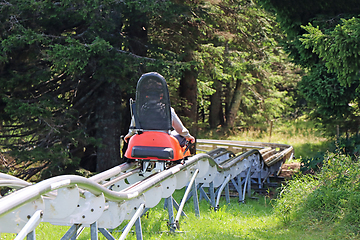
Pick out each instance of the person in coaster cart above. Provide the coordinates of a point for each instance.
(152, 111)
(180, 132)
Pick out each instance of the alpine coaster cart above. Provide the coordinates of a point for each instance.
(153, 145)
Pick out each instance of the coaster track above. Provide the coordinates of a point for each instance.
(105, 200)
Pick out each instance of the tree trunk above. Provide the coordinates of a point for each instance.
(188, 96)
(108, 124)
(216, 111)
(234, 104)
(138, 40)
(137, 33)
(125, 120)
(228, 95)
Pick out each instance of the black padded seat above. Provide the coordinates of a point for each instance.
(157, 152)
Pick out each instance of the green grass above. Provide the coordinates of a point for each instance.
(302, 134)
(331, 198)
(253, 220)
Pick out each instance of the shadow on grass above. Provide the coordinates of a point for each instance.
(310, 150)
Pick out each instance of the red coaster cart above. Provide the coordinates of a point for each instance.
(152, 123)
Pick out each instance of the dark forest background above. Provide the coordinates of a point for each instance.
(69, 68)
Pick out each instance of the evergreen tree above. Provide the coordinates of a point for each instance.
(250, 77)
(66, 71)
(321, 36)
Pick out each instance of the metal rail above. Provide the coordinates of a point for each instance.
(106, 199)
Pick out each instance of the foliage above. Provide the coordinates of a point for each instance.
(293, 15)
(244, 59)
(311, 165)
(329, 101)
(293, 195)
(347, 145)
(68, 69)
(338, 48)
(322, 37)
(330, 197)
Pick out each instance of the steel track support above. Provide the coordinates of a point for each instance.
(78, 232)
(266, 178)
(191, 193)
(183, 201)
(195, 199)
(249, 183)
(68, 235)
(169, 204)
(32, 223)
(239, 184)
(138, 229)
(227, 193)
(176, 206)
(212, 194)
(106, 234)
(94, 231)
(204, 195)
(31, 235)
(259, 180)
(243, 185)
(136, 216)
(247, 186)
(220, 189)
(74, 231)
(233, 181)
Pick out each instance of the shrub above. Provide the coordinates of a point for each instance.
(344, 145)
(332, 195)
(293, 195)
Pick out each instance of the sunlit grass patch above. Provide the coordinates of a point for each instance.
(302, 134)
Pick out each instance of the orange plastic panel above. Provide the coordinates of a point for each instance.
(156, 139)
